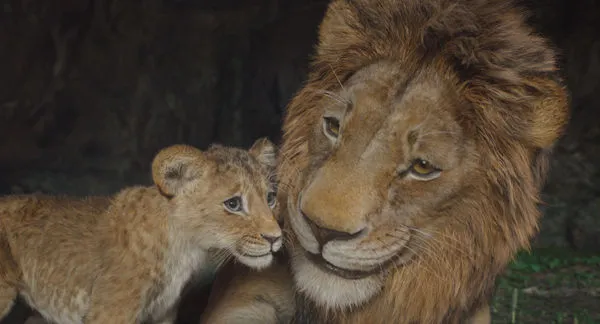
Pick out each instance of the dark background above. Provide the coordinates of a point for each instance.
(91, 89)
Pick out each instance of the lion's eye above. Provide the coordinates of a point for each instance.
(424, 169)
(331, 126)
(234, 204)
(271, 199)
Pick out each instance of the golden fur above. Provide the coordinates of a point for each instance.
(412, 160)
(243, 296)
(124, 259)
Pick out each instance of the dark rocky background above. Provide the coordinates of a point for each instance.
(91, 89)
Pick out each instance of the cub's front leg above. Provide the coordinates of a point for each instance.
(116, 299)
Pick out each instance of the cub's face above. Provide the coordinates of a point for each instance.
(386, 157)
(225, 200)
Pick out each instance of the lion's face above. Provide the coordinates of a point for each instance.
(236, 214)
(412, 159)
(387, 159)
(225, 199)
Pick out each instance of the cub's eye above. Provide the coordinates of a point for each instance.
(331, 126)
(234, 204)
(424, 170)
(271, 201)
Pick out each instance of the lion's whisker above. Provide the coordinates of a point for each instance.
(336, 77)
(429, 251)
(434, 236)
(425, 267)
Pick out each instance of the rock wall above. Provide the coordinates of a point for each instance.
(91, 89)
(572, 194)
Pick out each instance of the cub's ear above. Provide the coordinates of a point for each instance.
(174, 166)
(265, 152)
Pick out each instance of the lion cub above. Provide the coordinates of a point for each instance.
(125, 259)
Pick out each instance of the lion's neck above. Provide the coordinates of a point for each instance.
(182, 261)
(184, 255)
(182, 264)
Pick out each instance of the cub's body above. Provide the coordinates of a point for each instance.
(126, 259)
(32, 232)
(57, 272)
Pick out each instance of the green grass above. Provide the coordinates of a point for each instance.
(549, 286)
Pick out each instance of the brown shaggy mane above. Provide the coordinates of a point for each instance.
(515, 106)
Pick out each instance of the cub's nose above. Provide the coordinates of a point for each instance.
(270, 239)
(324, 235)
(275, 241)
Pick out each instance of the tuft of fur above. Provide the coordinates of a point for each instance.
(510, 104)
(240, 295)
(126, 258)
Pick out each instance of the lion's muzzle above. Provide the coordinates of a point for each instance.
(324, 235)
(349, 255)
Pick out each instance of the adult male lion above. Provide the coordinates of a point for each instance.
(413, 158)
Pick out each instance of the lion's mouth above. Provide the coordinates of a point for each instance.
(312, 244)
(344, 273)
(398, 260)
(249, 254)
(256, 255)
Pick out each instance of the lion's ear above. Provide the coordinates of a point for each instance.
(176, 165)
(265, 152)
(549, 116)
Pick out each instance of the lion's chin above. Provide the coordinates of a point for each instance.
(330, 286)
(257, 262)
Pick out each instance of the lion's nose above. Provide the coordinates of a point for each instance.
(324, 235)
(275, 241)
(270, 239)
